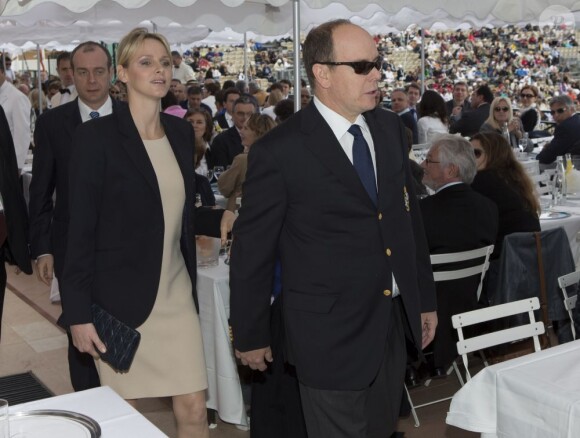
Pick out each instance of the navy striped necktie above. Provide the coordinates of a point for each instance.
(363, 163)
(94, 114)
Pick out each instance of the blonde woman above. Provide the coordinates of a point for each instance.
(131, 237)
(501, 116)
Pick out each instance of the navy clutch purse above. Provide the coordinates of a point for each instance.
(120, 339)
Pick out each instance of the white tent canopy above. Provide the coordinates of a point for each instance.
(71, 20)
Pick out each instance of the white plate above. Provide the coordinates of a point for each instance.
(550, 215)
(53, 423)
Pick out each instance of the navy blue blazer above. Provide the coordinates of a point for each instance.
(566, 141)
(116, 227)
(305, 205)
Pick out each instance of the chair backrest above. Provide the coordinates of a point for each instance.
(455, 257)
(569, 301)
(531, 330)
(420, 151)
(544, 182)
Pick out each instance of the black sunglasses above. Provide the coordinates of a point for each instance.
(528, 95)
(359, 67)
(505, 109)
(559, 111)
(477, 152)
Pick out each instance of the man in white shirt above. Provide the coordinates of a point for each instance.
(68, 92)
(10, 76)
(92, 72)
(181, 70)
(17, 108)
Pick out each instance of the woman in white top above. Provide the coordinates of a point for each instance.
(433, 121)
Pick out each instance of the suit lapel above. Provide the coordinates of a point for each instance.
(135, 148)
(323, 144)
(73, 119)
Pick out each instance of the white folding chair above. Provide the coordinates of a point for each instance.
(544, 182)
(419, 152)
(455, 274)
(569, 302)
(477, 343)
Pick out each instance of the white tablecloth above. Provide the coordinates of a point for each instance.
(224, 390)
(535, 396)
(115, 416)
(570, 224)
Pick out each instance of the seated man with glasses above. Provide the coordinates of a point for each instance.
(456, 218)
(567, 133)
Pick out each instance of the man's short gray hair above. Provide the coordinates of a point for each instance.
(563, 99)
(455, 150)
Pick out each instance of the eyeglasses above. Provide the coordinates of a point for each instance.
(505, 109)
(527, 96)
(559, 111)
(359, 67)
(430, 161)
(477, 153)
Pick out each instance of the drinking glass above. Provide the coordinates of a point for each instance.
(217, 171)
(4, 417)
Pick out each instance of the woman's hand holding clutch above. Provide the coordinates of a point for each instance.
(85, 339)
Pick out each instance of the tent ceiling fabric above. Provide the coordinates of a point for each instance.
(185, 21)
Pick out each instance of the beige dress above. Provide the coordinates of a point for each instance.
(169, 360)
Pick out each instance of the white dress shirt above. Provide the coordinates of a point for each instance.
(429, 128)
(104, 110)
(340, 126)
(62, 98)
(17, 108)
(184, 73)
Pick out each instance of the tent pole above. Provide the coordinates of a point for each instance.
(39, 80)
(422, 30)
(246, 57)
(296, 22)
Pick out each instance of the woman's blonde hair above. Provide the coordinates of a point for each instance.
(133, 40)
(260, 124)
(491, 119)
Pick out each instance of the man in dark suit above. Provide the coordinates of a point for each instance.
(456, 218)
(228, 144)
(330, 194)
(567, 133)
(459, 103)
(225, 119)
(469, 122)
(400, 105)
(92, 71)
(13, 217)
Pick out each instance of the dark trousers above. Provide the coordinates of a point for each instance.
(83, 373)
(276, 405)
(368, 413)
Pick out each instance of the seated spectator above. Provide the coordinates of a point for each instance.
(459, 102)
(230, 182)
(433, 120)
(567, 133)
(274, 97)
(529, 114)
(170, 105)
(456, 218)
(228, 144)
(194, 100)
(468, 123)
(400, 105)
(203, 131)
(502, 116)
(502, 179)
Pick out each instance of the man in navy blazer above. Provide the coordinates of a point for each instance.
(329, 193)
(228, 144)
(92, 72)
(567, 133)
(467, 123)
(456, 218)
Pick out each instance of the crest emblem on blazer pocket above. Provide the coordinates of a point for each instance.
(406, 198)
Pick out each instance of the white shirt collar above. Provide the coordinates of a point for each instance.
(104, 110)
(338, 123)
(404, 111)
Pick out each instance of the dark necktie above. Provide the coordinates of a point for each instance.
(64, 91)
(414, 112)
(363, 163)
(94, 114)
